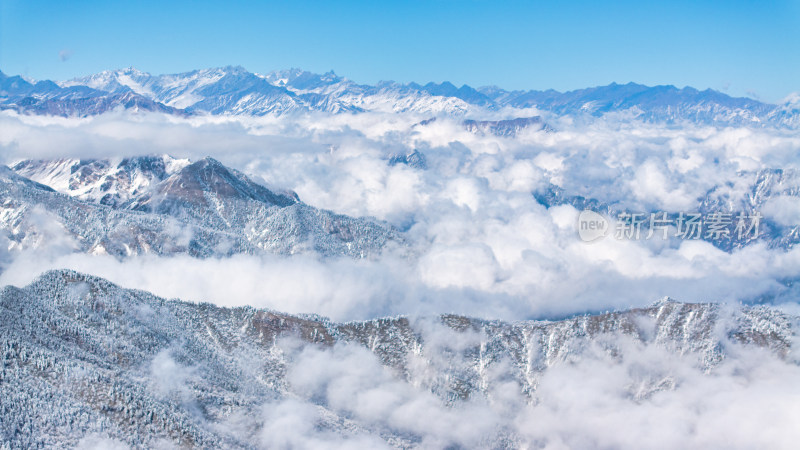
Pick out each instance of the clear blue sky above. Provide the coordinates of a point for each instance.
(739, 47)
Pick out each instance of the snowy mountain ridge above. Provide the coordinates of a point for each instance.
(233, 90)
(166, 206)
(80, 355)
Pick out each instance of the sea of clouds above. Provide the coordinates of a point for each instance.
(482, 246)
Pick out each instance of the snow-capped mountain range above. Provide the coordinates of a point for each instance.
(163, 205)
(235, 91)
(80, 355)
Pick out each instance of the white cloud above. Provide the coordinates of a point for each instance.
(783, 209)
(65, 54)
